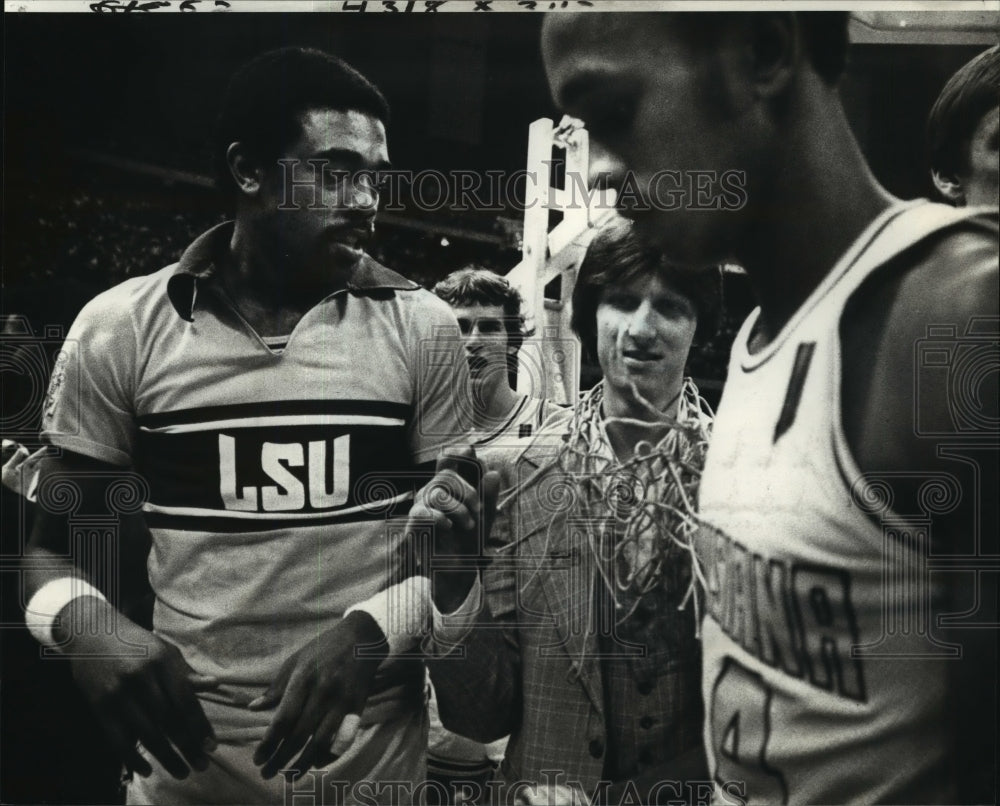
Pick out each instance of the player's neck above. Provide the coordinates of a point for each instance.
(824, 199)
(624, 436)
(500, 404)
(628, 421)
(272, 276)
(262, 287)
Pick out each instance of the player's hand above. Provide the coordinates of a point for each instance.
(461, 501)
(18, 466)
(148, 698)
(320, 693)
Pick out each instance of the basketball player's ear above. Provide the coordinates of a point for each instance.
(775, 48)
(950, 187)
(245, 172)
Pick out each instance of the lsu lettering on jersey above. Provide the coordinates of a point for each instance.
(813, 694)
(271, 473)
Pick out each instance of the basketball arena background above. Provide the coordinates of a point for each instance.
(107, 175)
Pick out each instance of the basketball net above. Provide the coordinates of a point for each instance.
(650, 497)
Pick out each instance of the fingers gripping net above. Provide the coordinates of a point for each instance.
(650, 498)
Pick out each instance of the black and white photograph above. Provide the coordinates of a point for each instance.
(482, 402)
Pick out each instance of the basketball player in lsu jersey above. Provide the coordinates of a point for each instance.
(228, 390)
(856, 438)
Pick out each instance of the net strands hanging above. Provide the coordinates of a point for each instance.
(650, 497)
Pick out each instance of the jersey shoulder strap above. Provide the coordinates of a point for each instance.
(914, 223)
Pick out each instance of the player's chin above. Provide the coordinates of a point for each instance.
(486, 377)
(346, 255)
(651, 389)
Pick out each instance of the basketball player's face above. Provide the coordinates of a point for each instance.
(319, 200)
(484, 337)
(644, 333)
(652, 105)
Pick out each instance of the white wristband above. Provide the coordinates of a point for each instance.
(49, 601)
(449, 630)
(401, 611)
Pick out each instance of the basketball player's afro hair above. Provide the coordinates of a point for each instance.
(266, 96)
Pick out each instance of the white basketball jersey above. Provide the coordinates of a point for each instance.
(815, 691)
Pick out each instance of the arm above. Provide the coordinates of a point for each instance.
(471, 649)
(321, 690)
(899, 416)
(139, 687)
(476, 665)
(20, 476)
(478, 682)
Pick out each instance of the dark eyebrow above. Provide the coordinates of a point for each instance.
(351, 157)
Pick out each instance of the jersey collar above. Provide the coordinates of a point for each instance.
(197, 265)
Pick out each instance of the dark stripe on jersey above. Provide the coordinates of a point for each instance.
(506, 424)
(540, 415)
(202, 523)
(803, 358)
(274, 408)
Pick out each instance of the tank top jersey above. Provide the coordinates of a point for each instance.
(808, 698)
(526, 418)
